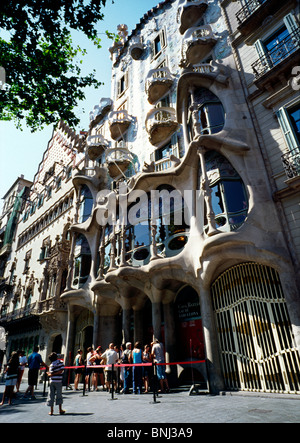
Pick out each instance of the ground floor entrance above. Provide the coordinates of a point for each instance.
(254, 330)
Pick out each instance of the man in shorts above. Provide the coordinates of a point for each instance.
(159, 357)
(111, 359)
(34, 364)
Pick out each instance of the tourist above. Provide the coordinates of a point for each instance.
(11, 372)
(90, 358)
(78, 371)
(34, 363)
(111, 358)
(127, 359)
(147, 358)
(137, 371)
(159, 357)
(22, 365)
(55, 374)
(98, 372)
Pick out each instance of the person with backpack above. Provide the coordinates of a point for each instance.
(127, 359)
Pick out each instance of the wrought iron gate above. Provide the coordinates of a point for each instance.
(255, 334)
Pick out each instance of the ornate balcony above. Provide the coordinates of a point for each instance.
(118, 161)
(274, 64)
(197, 44)
(253, 13)
(291, 163)
(119, 122)
(161, 124)
(190, 13)
(136, 47)
(96, 145)
(51, 304)
(158, 83)
(100, 111)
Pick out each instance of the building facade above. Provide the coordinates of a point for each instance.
(183, 224)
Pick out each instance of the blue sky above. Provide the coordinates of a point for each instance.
(21, 151)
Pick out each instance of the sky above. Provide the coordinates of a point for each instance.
(22, 151)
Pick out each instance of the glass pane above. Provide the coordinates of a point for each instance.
(295, 119)
(235, 196)
(216, 198)
(141, 235)
(216, 117)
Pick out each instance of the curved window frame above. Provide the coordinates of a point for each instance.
(223, 175)
(86, 203)
(82, 252)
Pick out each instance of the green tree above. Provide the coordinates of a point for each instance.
(41, 63)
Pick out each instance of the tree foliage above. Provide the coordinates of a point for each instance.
(42, 65)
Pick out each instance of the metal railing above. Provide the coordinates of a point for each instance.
(26, 311)
(248, 9)
(279, 53)
(291, 162)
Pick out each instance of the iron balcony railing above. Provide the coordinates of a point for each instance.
(248, 9)
(279, 53)
(291, 163)
(26, 311)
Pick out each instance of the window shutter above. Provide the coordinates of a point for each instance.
(290, 23)
(287, 128)
(163, 39)
(262, 53)
(260, 48)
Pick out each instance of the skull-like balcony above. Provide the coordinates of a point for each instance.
(118, 160)
(136, 47)
(161, 124)
(197, 44)
(96, 145)
(119, 122)
(100, 111)
(190, 13)
(158, 83)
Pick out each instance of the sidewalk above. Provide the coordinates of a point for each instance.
(173, 408)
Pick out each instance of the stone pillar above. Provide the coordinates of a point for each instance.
(108, 331)
(138, 326)
(170, 334)
(156, 320)
(126, 321)
(71, 330)
(96, 329)
(215, 378)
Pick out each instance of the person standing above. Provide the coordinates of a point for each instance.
(35, 362)
(90, 358)
(147, 358)
(111, 358)
(137, 371)
(78, 371)
(159, 357)
(22, 364)
(11, 377)
(127, 358)
(55, 374)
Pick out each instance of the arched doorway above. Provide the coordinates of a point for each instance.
(189, 325)
(255, 335)
(57, 344)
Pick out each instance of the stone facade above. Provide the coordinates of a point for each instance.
(186, 115)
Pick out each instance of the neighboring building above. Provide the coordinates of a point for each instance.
(36, 270)
(211, 267)
(13, 205)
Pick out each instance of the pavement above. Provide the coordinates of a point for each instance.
(176, 408)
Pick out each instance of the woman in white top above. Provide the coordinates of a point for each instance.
(22, 364)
